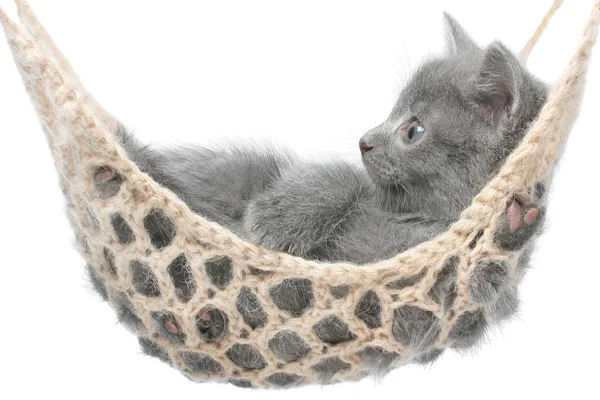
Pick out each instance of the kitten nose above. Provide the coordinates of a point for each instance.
(364, 147)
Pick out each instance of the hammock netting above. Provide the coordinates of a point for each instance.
(218, 308)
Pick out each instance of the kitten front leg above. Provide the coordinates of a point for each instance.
(306, 211)
(376, 234)
(519, 223)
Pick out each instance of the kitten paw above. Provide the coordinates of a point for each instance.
(104, 175)
(107, 181)
(519, 223)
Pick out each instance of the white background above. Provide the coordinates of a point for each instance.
(315, 76)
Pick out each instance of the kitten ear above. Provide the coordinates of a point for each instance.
(457, 39)
(498, 81)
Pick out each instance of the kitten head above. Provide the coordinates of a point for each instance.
(455, 122)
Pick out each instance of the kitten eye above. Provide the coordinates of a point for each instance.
(414, 131)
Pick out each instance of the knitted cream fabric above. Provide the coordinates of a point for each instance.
(199, 326)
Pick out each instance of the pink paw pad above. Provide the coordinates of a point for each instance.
(514, 216)
(171, 327)
(204, 315)
(531, 216)
(104, 175)
(518, 224)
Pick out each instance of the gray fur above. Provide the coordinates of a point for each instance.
(143, 279)
(406, 281)
(339, 291)
(246, 356)
(122, 229)
(97, 282)
(377, 360)
(488, 280)
(368, 310)
(153, 349)
(514, 241)
(429, 357)
(181, 274)
(160, 228)
(442, 290)
(468, 329)
(218, 184)
(212, 323)
(109, 187)
(219, 271)
(415, 328)
(329, 367)
(293, 295)
(457, 40)
(333, 330)
(475, 105)
(93, 220)
(241, 383)
(125, 313)
(288, 346)
(250, 308)
(198, 362)
(160, 320)
(282, 379)
(110, 261)
(506, 305)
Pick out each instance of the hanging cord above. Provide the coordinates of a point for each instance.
(526, 50)
(32, 24)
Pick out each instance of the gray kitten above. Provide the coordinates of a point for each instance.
(451, 129)
(454, 124)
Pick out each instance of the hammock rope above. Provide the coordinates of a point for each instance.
(232, 322)
(528, 48)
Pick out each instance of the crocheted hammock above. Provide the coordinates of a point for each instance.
(218, 308)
